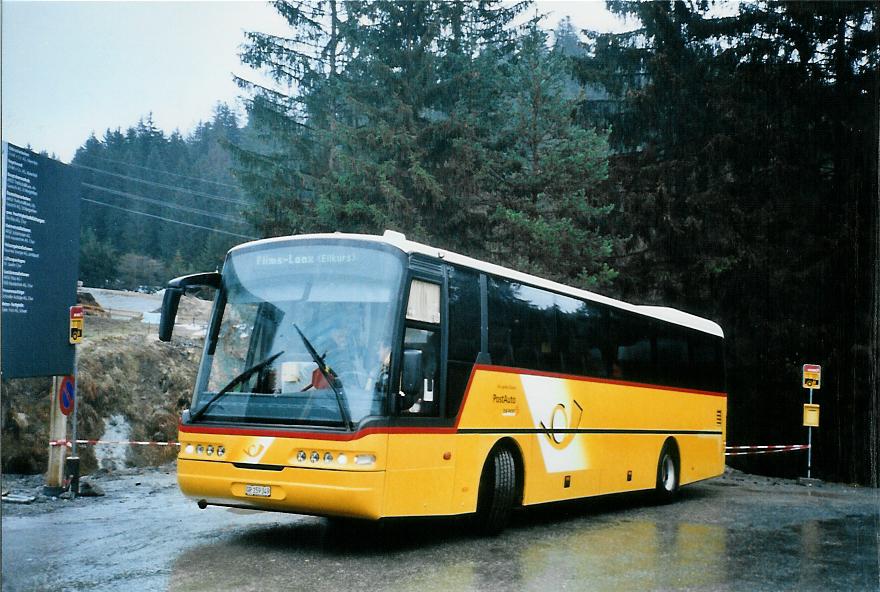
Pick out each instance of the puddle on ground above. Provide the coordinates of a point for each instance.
(586, 553)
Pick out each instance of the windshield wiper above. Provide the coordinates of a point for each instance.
(233, 383)
(329, 376)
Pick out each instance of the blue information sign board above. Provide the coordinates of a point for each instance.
(40, 252)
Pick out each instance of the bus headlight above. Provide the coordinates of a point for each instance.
(301, 456)
(221, 450)
(328, 457)
(342, 459)
(315, 457)
(364, 459)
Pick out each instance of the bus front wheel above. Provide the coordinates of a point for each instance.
(497, 491)
(667, 474)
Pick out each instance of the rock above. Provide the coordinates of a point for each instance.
(18, 498)
(89, 489)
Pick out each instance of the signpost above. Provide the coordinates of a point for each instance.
(57, 433)
(812, 379)
(39, 256)
(77, 322)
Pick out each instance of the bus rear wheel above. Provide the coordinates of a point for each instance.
(667, 474)
(497, 492)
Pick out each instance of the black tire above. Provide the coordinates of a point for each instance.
(497, 492)
(667, 474)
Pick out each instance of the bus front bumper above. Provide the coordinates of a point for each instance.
(320, 492)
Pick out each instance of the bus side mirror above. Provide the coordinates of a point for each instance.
(413, 372)
(169, 312)
(174, 291)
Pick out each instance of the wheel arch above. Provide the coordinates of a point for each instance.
(666, 492)
(518, 462)
(672, 444)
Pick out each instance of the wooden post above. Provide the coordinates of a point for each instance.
(57, 454)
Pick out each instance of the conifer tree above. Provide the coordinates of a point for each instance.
(546, 174)
(427, 134)
(364, 137)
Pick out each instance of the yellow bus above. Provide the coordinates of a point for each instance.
(372, 376)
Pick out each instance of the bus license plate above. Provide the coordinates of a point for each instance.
(258, 490)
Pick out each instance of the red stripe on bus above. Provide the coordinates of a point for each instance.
(229, 431)
(510, 370)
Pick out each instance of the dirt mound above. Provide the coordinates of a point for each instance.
(124, 371)
(24, 424)
(90, 305)
(192, 310)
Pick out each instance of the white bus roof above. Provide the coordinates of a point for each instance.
(398, 240)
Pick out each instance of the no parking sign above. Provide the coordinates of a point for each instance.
(66, 394)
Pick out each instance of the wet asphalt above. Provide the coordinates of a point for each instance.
(734, 533)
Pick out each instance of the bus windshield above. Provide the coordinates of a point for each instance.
(336, 298)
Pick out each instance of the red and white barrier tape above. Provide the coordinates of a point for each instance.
(742, 450)
(728, 451)
(69, 443)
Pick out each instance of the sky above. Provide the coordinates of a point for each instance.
(70, 69)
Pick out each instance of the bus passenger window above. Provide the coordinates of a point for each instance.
(425, 401)
(632, 348)
(464, 334)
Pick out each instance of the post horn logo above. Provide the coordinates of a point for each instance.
(560, 433)
(254, 450)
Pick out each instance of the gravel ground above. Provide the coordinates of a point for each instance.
(737, 532)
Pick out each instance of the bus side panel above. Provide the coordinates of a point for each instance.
(702, 457)
(543, 485)
(699, 457)
(637, 421)
(610, 434)
(419, 478)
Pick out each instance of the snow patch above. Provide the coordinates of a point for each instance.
(112, 456)
(151, 318)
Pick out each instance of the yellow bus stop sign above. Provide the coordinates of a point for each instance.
(812, 376)
(76, 324)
